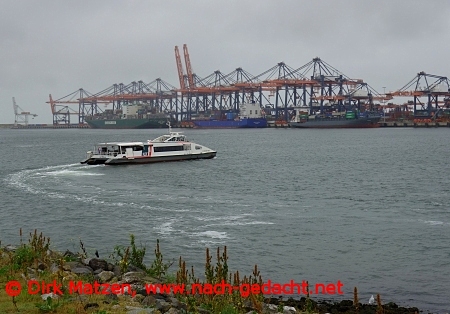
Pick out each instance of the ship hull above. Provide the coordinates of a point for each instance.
(231, 124)
(128, 123)
(337, 123)
(148, 160)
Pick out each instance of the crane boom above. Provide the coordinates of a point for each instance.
(21, 115)
(188, 67)
(16, 111)
(180, 68)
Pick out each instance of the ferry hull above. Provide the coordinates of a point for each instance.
(94, 161)
(338, 123)
(147, 160)
(231, 124)
(152, 123)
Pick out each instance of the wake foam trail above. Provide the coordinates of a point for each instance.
(30, 181)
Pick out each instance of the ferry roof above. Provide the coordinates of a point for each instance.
(120, 144)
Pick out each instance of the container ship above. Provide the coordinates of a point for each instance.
(249, 116)
(131, 117)
(348, 119)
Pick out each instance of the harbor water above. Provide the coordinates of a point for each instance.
(368, 207)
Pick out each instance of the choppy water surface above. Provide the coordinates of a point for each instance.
(368, 207)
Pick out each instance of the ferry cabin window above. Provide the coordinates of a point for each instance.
(135, 148)
(176, 139)
(198, 147)
(167, 148)
(256, 111)
(250, 112)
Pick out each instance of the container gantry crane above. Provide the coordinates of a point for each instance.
(20, 115)
(436, 91)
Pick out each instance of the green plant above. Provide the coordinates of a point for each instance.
(131, 255)
(158, 267)
(29, 255)
(48, 306)
(309, 305)
(137, 254)
(170, 278)
(23, 257)
(229, 309)
(120, 256)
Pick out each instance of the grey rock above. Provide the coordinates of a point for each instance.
(173, 311)
(74, 264)
(138, 298)
(86, 261)
(135, 273)
(132, 277)
(96, 263)
(105, 276)
(269, 308)
(110, 267)
(248, 305)
(174, 301)
(149, 301)
(162, 305)
(84, 270)
(132, 268)
(183, 306)
(116, 270)
(138, 310)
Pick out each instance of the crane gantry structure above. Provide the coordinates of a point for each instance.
(429, 94)
(20, 115)
(316, 87)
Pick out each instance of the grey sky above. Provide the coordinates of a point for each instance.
(59, 46)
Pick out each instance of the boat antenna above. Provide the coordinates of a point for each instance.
(170, 128)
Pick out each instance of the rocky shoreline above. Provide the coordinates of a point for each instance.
(136, 298)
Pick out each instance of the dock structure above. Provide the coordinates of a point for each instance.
(411, 124)
(315, 87)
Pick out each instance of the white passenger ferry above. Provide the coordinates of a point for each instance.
(171, 147)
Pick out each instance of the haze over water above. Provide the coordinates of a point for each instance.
(368, 207)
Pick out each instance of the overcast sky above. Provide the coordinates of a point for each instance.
(56, 47)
